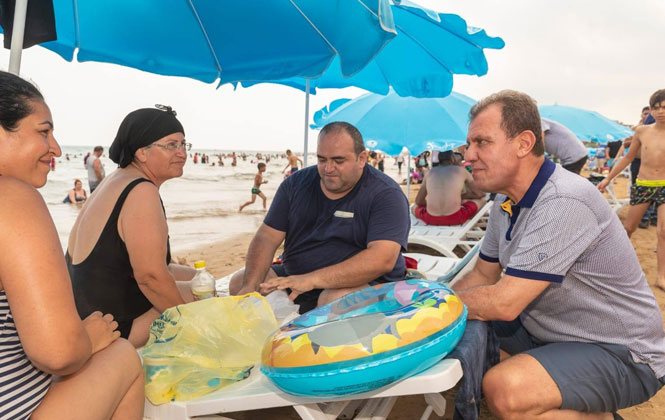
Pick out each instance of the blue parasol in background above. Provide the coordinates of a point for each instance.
(389, 123)
(587, 125)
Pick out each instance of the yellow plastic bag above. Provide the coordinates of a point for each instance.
(202, 346)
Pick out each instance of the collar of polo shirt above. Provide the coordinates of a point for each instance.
(513, 210)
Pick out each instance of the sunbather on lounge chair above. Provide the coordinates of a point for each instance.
(448, 196)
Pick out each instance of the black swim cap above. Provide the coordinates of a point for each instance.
(141, 128)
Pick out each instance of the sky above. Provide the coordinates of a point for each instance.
(593, 54)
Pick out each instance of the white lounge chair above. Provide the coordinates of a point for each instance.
(444, 269)
(444, 239)
(257, 392)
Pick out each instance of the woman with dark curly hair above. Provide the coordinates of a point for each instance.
(41, 336)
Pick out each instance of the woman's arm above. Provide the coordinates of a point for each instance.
(142, 226)
(35, 278)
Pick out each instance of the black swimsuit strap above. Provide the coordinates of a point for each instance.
(115, 213)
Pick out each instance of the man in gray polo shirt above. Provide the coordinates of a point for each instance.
(563, 144)
(573, 308)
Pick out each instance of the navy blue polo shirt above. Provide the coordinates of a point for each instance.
(321, 232)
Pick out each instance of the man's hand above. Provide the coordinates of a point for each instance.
(603, 184)
(298, 284)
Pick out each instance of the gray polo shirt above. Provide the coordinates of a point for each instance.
(564, 232)
(562, 143)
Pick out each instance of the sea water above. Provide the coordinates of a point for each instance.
(201, 205)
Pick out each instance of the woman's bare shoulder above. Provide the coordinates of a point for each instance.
(17, 194)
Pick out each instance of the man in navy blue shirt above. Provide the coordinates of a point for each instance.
(344, 224)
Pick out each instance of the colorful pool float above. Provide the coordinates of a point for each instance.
(366, 339)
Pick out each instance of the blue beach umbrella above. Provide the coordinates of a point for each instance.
(587, 125)
(391, 122)
(429, 48)
(218, 39)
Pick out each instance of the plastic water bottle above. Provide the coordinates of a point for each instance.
(203, 283)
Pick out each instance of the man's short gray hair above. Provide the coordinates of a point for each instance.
(519, 112)
(350, 129)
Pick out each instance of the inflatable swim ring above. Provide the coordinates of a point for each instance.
(366, 339)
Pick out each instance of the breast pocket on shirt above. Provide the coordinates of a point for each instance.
(342, 227)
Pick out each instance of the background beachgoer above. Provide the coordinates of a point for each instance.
(95, 168)
(564, 145)
(256, 189)
(649, 186)
(293, 161)
(77, 194)
(448, 195)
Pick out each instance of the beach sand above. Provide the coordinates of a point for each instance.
(227, 256)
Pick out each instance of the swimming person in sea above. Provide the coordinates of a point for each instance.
(53, 365)
(118, 254)
(77, 194)
(258, 181)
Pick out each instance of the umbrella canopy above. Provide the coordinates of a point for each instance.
(226, 40)
(391, 122)
(587, 125)
(429, 48)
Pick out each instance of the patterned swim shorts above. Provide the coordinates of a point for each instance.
(640, 194)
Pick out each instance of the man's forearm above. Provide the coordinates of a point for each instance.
(365, 266)
(483, 304)
(473, 278)
(259, 258)
(619, 166)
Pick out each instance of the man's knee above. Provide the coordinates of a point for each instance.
(501, 389)
(235, 284)
(516, 389)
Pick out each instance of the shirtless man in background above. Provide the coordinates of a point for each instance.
(440, 198)
(293, 162)
(649, 186)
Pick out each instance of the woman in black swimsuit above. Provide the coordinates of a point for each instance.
(118, 254)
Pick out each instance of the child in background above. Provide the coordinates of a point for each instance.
(258, 181)
(601, 158)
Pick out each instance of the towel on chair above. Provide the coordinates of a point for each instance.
(478, 351)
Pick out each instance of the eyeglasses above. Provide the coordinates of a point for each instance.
(173, 147)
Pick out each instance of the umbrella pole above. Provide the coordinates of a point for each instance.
(20, 12)
(306, 121)
(408, 175)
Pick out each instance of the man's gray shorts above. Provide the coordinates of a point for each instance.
(591, 377)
